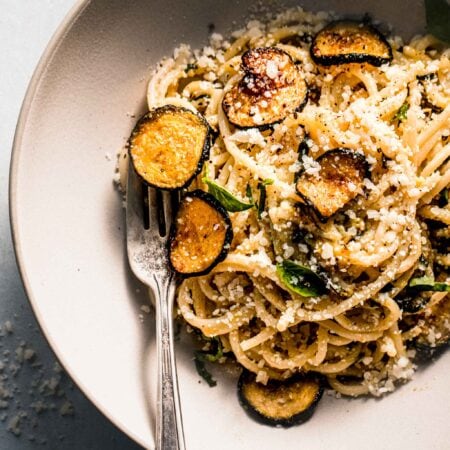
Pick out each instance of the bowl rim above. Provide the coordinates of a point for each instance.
(45, 60)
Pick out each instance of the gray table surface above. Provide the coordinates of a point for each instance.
(39, 405)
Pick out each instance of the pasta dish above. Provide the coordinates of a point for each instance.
(327, 155)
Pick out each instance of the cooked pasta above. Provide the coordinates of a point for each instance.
(395, 229)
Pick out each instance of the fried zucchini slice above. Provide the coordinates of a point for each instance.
(200, 236)
(280, 403)
(348, 41)
(337, 179)
(272, 88)
(168, 146)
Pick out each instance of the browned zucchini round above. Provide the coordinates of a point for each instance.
(201, 234)
(277, 403)
(271, 89)
(168, 146)
(349, 41)
(338, 179)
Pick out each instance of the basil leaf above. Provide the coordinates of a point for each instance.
(300, 279)
(199, 359)
(428, 284)
(402, 112)
(216, 351)
(438, 19)
(262, 195)
(249, 194)
(225, 197)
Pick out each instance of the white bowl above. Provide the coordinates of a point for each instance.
(69, 236)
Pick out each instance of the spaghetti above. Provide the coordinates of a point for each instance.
(359, 334)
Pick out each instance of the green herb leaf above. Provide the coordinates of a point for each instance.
(428, 284)
(216, 351)
(300, 279)
(199, 359)
(402, 112)
(225, 197)
(438, 19)
(249, 194)
(262, 195)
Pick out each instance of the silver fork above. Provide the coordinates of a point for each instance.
(147, 237)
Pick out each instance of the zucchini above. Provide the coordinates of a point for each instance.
(270, 89)
(348, 41)
(168, 146)
(338, 179)
(200, 236)
(280, 403)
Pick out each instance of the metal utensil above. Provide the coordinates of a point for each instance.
(148, 218)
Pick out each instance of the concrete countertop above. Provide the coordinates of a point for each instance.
(39, 405)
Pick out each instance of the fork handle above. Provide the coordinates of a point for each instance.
(169, 427)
